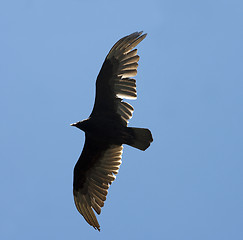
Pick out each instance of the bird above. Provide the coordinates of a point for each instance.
(106, 129)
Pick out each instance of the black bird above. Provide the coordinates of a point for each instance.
(106, 128)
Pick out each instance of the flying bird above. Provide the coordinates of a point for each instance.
(106, 128)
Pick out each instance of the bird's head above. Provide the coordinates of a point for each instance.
(81, 125)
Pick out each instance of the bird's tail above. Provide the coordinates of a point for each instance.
(141, 138)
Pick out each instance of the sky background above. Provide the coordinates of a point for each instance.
(188, 184)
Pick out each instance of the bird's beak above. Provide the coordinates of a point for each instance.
(73, 124)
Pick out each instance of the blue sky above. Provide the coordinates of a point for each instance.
(188, 184)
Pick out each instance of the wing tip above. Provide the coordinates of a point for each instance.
(140, 33)
(86, 210)
(135, 37)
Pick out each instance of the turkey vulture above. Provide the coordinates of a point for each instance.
(106, 129)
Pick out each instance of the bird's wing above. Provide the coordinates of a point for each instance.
(93, 174)
(115, 81)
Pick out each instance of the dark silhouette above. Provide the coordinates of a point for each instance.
(106, 129)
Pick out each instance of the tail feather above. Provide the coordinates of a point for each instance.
(142, 138)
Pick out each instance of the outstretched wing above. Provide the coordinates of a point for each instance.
(115, 81)
(93, 174)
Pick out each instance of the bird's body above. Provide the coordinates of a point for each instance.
(106, 129)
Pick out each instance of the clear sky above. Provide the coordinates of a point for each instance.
(188, 184)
